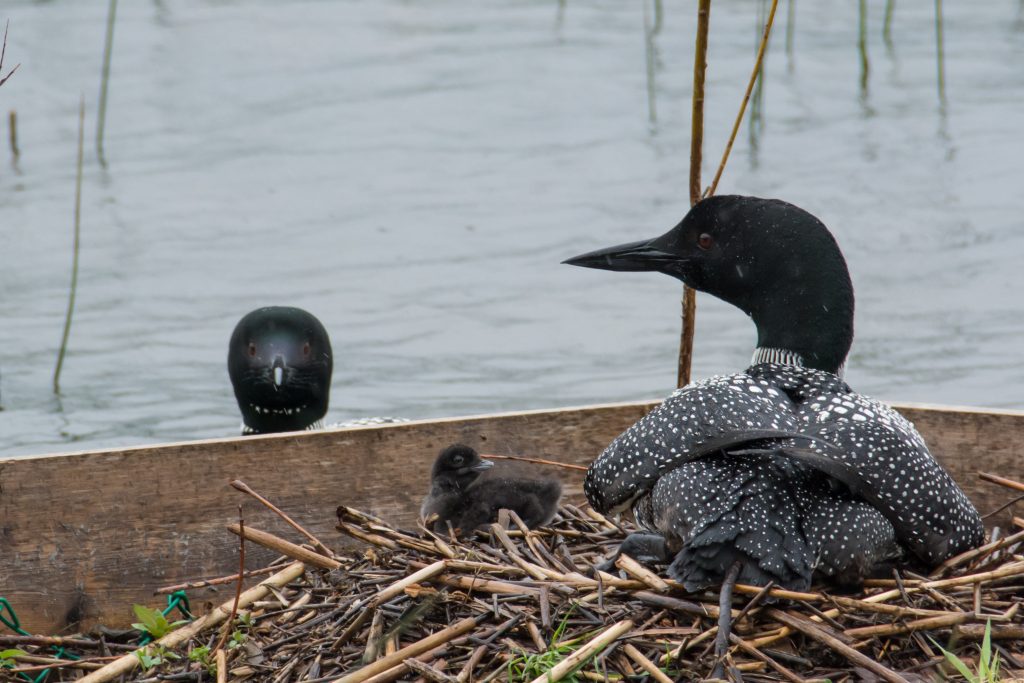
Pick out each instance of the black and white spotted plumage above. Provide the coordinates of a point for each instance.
(843, 487)
(785, 516)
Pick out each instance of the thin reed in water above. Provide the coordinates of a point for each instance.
(75, 249)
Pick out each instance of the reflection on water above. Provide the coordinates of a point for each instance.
(414, 175)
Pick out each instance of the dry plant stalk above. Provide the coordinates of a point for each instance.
(238, 587)
(240, 485)
(296, 552)
(700, 66)
(746, 98)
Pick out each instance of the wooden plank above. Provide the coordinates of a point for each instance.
(83, 536)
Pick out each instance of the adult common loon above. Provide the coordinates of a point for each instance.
(781, 472)
(280, 363)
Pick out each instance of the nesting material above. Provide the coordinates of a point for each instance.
(514, 604)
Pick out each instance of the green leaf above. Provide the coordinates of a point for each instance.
(960, 666)
(10, 654)
(153, 622)
(986, 652)
(199, 654)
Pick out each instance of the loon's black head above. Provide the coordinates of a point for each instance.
(458, 466)
(776, 262)
(280, 363)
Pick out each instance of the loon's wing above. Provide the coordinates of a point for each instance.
(933, 517)
(859, 485)
(687, 425)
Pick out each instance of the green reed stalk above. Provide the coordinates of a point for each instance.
(75, 249)
(862, 44)
(940, 52)
(108, 49)
(652, 110)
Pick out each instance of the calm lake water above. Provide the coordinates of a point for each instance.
(413, 173)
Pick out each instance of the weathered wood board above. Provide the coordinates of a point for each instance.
(83, 536)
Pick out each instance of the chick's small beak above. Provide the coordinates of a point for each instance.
(482, 465)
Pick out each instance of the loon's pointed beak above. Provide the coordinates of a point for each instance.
(278, 371)
(633, 257)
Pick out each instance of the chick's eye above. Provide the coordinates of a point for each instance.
(305, 349)
(705, 241)
(252, 349)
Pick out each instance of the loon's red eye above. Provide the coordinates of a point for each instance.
(705, 241)
(305, 349)
(252, 350)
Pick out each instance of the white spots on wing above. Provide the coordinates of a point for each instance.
(727, 498)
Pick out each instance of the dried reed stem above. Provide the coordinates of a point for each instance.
(746, 98)
(12, 134)
(580, 656)
(3, 52)
(296, 552)
(417, 648)
(538, 461)
(244, 488)
(700, 66)
(1002, 481)
(238, 587)
(192, 585)
(815, 632)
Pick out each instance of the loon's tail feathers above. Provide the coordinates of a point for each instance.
(859, 485)
(702, 566)
(751, 516)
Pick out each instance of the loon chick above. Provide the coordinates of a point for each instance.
(751, 511)
(458, 495)
(280, 364)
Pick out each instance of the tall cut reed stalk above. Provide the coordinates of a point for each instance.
(862, 44)
(12, 135)
(890, 6)
(756, 76)
(700, 66)
(651, 59)
(108, 49)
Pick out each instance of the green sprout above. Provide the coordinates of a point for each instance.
(153, 622)
(154, 655)
(7, 657)
(988, 662)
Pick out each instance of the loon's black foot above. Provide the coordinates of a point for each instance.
(644, 548)
(725, 621)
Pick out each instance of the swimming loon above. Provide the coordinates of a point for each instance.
(280, 363)
(458, 494)
(780, 472)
